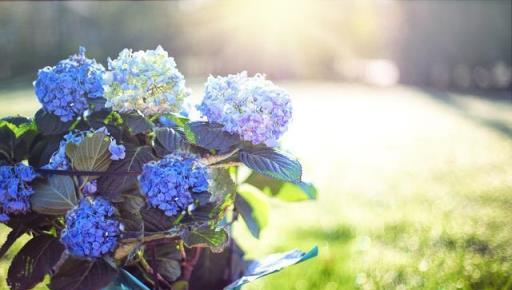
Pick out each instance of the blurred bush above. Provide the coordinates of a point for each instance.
(461, 44)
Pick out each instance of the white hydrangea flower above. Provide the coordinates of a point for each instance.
(147, 81)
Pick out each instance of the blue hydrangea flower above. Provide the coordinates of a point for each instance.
(251, 107)
(147, 81)
(15, 190)
(91, 229)
(59, 159)
(168, 184)
(117, 151)
(63, 89)
(90, 187)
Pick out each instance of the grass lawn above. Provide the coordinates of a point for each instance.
(415, 190)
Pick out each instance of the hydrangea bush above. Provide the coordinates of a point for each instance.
(118, 189)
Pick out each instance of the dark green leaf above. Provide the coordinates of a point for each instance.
(271, 264)
(137, 123)
(55, 196)
(33, 262)
(91, 154)
(17, 120)
(42, 149)
(134, 160)
(156, 221)
(7, 143)
(130, 217)
(167, 141)
(212, 136)
(77, 274)
(49, 124)
(13, 235)
(216, 240)
(272, 163)
(216, 270)
(167, 259)
(105, 118)
(253, 208)
(27, 133)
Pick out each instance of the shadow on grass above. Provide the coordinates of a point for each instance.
(489, 121)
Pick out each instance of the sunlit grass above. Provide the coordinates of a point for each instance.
(415, 190)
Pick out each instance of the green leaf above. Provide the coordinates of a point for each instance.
(77, 274)
(272, 163)
(286, 191)
(216, 240)
(271, 264)
(253, 208)
(167, 141)
(180, 285)
(221, 184)
(24, 130)
(134, 160)
(49, 124)
(297, 191)
(34, 261)
(55, 196)
(212, 136)
(137, 123)
(167, 259)
(223, 191)
(91, 154)
(126, 281)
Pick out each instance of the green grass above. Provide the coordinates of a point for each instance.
(415, 190)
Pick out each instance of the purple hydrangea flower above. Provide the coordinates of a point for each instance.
(251, 107)
(168, 184)
(117, 151)
(15, 190)
(91, 229)
(63, 89)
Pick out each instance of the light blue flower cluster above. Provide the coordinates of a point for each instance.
(91, 229)
(63, 89)
(168, 184)
(117, 151)
(59, 159)
(90, 188)
(251, 107)
(147, 81)
(15, 191)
